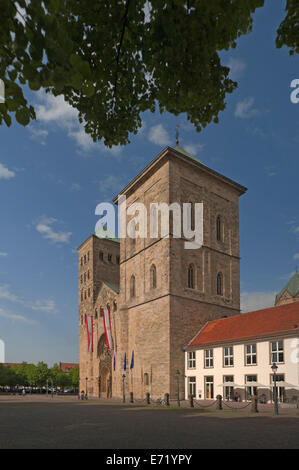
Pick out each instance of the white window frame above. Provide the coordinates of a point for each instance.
(209, 358)
(229, 356)
(276, 352)
(192, 386)
(191, 360)
(250, 355)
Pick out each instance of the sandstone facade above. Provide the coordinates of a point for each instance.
(156, 315)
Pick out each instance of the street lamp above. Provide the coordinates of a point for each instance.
(178, 381)
(86, 380)
(274, 369)
(124, 390)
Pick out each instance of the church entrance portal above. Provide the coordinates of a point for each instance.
(105, 369)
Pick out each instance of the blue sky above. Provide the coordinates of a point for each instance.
(52, 177)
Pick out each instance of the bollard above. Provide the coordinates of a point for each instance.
(254, 407)
(131, 397)
(219, 402)
(191, 401)
(166, 398)
(148, 399)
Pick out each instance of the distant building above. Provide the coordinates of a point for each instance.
(11, 364)
(290, 293)
(233, 356)
(67, 366)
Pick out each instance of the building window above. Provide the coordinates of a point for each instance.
(191, 360)
(84, 277)
(81, 261)
(250, 355)
(277, 354)
(88, 292)
(101, 255)
(153, 277)
(228, 356)
(251, 386)
(81, 319)
(219, 228)
(101, 312)
(96, 314)
(146, 379)
(88, 256)
(192, 386)
(228, 390)
(88, 275)
(132, 287)
(209, 358)
(280, 390)
(81, 279)
(82, 296)
(84, 259)
(110, 258)
(85, 295)
(192, 215)
(114, 306)
(209, 387)
(219, 284)
(191, 281)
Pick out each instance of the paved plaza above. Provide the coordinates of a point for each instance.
(65, 422)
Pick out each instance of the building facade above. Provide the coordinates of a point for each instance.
(158, 292)
(233, 357)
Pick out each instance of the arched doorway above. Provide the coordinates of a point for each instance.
(105, 369)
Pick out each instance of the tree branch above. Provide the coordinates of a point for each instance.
(125, 20)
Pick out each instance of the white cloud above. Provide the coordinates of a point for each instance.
(158, 135)
(296, 256)
(39, 135)
(75, 187)
(237, 67)
(3, 254)
(245, 109)
(5, 173)
(47, 306)
(45, 228)
(193, 148)
(251, 301)
(55, 111)
(14, 317)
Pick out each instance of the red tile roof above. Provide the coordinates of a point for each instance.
(260, 324)
(67, 366)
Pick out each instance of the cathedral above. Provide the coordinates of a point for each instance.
(142, 300)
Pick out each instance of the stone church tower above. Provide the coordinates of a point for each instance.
(166, 293)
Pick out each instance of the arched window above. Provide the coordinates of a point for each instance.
(191, 280)
(114, 306)
(146, 379)
(132, 287)
(219, 284)
(96, 314)
(153, 277)
(219, 228)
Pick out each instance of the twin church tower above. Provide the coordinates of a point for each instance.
(158, 293)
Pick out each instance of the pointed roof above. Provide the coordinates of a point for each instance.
(178, 148)
(292, 287)
(104, 233)
(180, 154)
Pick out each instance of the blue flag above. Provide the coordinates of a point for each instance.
(114, 363)
(125, 362)
(132, 361)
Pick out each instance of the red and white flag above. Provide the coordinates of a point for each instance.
(107, 326)
(89, 328)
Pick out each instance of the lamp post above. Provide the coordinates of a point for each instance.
(86, 380)
(274, 369)
(178, 381)
(124, 390)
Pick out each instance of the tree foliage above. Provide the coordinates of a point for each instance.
(114, 60)
(37, 376)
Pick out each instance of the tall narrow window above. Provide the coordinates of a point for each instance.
(153, 276)
(219, 228)
(191, 280)
(220, 284)
(132, 287)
